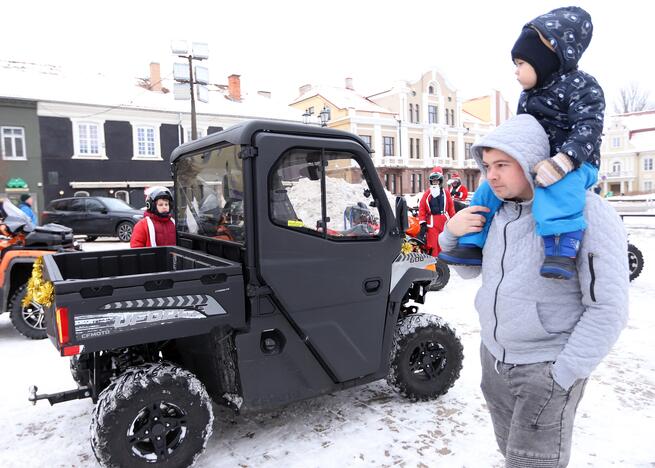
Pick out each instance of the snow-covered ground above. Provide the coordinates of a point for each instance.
(364, 426)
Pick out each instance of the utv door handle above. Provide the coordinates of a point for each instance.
(372, 285)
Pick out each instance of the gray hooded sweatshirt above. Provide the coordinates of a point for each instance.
(526, 318)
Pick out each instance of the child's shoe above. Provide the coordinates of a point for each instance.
(561, 253)
(463, 254)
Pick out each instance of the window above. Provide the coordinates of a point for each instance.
(386, 181)
(467, 150)
(418, 148)
(418, 119)
(199, 133)
(430, 89)
(123, 195)
(452, 151)
(145, 142)
(393, 183)
(420, 182)
(448, 150)
(76, 204)
(648, 186)
(616, 142)
(413, 181)
(13, 143)
(81, 193)
(648, 164)
(367, 139)
(209, 194)
(452, 117)
(88, 138)
(432, 115)
(305, 181)
(447, 117)
(616, 167)
(94, 205)
(388, 146)
(53, 178)
(435, 147)
(411, 113)
(411, 147)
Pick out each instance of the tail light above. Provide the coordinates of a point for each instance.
(62, 325)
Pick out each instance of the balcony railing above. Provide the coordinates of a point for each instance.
(616, 175)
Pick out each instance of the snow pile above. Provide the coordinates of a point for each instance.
(305, 196)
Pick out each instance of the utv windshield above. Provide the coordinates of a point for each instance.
(209, 194)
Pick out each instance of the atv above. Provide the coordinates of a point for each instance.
(285, 304)
(21, 244)
(635, 261)
(413, 243)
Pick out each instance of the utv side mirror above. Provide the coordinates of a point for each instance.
(402, 223)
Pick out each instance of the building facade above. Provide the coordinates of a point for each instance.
(20, 151)
(411, 128)
(628, 154)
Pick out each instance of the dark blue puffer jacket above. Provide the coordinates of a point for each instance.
(570, 105)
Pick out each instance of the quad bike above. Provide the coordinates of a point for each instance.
(635, 261)
(21, 244)
(414, 244)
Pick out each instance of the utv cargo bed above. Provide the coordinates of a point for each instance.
(119, 298)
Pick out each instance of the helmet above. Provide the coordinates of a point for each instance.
(155, 194)
(436, 178)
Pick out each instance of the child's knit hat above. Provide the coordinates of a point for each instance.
(530, 48)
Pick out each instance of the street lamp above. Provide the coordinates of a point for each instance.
(323, 117)
(199, 51)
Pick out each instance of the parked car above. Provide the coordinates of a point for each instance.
(94, 216)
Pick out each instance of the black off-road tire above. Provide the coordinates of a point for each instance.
(145, 402)
(635, 261)
(30, 320)
(124, 231)
(443, 272)
(79, 370)
(426, 357)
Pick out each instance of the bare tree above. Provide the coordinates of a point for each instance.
(633, 98)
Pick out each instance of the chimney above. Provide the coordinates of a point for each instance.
(266, 94)
(349, 84)
(155, 77)
(234, 87)
(304, 88)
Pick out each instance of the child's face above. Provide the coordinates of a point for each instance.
(525, 74)
(163, 206)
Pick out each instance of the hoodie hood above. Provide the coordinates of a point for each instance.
(569, 31)
(522, 137)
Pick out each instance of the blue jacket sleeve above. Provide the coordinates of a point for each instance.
(586, 114)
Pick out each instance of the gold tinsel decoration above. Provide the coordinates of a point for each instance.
(39, 291)
(407, 248)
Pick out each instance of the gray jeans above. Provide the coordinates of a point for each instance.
(531, 414)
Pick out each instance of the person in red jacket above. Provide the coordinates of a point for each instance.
(157, 227)
(458, 191)
(435, 208)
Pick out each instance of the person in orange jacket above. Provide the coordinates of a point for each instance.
(435, 208)
(458, 191)
(157, 227)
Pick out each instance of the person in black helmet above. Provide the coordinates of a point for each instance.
(157, 227)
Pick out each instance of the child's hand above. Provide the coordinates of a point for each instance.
(551, 170)
(467, 221)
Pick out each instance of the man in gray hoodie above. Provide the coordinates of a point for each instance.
(541, 338)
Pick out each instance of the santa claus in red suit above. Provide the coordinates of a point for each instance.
(458, 191)
(435, 208)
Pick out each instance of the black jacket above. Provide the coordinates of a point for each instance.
(570, 105)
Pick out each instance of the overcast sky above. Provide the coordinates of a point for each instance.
(280, 45)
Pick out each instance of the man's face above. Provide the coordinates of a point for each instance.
(525, 74)
(505, 175)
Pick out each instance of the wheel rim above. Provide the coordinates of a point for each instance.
(33, 316)
(633, 261)
(124, 232)
(427, 360)
(158, 430)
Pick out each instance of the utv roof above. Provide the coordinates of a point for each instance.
(244, 134)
